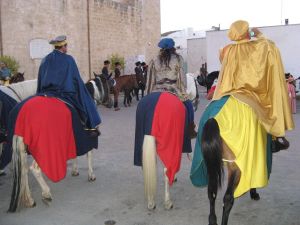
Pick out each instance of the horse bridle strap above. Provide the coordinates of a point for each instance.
(14, 92)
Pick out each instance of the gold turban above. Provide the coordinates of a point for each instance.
(238, 30)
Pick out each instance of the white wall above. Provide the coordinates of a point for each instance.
(196, 54)
(286, 38)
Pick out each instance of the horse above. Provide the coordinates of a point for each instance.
(31, 121)
(18, 77)
(21, 91)
(208, 80)
(238, 142)
(124, 83)
(192, 89)
(98, 88)
(162, 129)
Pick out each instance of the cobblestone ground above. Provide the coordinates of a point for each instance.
(116, 197)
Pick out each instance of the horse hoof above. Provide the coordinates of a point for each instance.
(75, 173)
(47, 200)
(151, 207)
(32, 205)
(169, 205)
(92, 178)
(255, 196)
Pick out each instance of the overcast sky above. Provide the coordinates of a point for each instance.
(203, 14)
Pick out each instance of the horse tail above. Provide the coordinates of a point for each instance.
(18, 180)
(211, 144)
(149, 169)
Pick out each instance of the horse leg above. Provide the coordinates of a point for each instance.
(136, 91)
(168, 203)
(91, 176)
(234, 175)
(125, 99)
(212, 195)
(116, 95)
(149, 170)
(143, 89)
(36, 171)
(21, 193)
(254, 195)
(75, 171)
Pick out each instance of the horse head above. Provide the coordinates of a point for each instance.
(18, 77)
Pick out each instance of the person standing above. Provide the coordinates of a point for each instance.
(5, 73)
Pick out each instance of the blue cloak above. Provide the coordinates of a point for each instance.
(59, 77)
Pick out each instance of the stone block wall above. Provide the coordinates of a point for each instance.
(126, 27)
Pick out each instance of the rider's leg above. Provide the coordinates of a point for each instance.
(190, 114)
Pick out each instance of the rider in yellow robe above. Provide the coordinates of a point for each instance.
(252, 72)
(253, 80)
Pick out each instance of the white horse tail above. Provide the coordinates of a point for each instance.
(149, 170)
(20, 192)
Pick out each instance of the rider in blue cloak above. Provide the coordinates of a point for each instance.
(59, 77)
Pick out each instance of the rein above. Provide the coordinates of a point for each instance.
(14, 92)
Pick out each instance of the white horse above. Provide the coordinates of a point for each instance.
(19, 92)
(192, 89)
(165, 143)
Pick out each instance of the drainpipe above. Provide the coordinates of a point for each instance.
(89, 37)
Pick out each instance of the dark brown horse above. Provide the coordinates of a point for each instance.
(124, 83)
(18, 77)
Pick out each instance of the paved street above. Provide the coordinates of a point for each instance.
(117, 194)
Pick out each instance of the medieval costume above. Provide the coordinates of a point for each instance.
(170, 77)
(59, 77)
(250, 101)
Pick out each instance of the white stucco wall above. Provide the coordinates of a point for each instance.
(196, 54)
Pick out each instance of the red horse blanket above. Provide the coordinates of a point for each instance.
(46, 126)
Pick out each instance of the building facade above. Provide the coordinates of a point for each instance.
(95, 29)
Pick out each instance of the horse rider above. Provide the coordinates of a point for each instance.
(106, 74)
(59, 77)
(5, 73)
(166, 74)
(253, 73)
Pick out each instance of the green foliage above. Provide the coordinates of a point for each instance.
(11, 63)
(116, 58)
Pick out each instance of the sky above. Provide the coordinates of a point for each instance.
(203, 14)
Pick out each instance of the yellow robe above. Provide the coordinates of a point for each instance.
(252, 72)
(247, 139)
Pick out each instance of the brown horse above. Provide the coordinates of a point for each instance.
(124, 83)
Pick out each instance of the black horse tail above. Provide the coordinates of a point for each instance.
(211, 144)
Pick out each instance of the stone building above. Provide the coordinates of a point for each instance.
(96, 29)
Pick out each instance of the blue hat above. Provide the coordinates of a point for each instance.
(166, 43)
